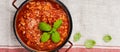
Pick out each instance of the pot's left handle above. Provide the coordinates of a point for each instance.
(13, 3)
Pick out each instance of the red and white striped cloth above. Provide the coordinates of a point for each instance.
(63, 50)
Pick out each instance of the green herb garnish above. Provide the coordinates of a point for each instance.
(44, 26)
(57, 24)
(55, 37)
(89, 43)
(107, 38)
(45, 37)
(55, 34)
(76, 37)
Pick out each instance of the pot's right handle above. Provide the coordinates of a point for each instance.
(68, 47)
(13, 3)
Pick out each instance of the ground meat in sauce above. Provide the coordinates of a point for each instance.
(31, 15)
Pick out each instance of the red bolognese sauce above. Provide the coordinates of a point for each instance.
(34, 12)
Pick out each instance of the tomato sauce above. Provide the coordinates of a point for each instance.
(34, 12)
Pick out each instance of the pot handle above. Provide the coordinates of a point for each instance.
(69, 47)
(13, 3)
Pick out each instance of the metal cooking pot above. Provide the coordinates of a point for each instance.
(56, 49)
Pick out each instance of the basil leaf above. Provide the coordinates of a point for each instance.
(89, 43)
(55, 37)
(107, 38)
(57, 24)
(45, 37)
(44, 26)
(76, 37)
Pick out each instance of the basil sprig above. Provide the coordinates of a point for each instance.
(55, 36)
